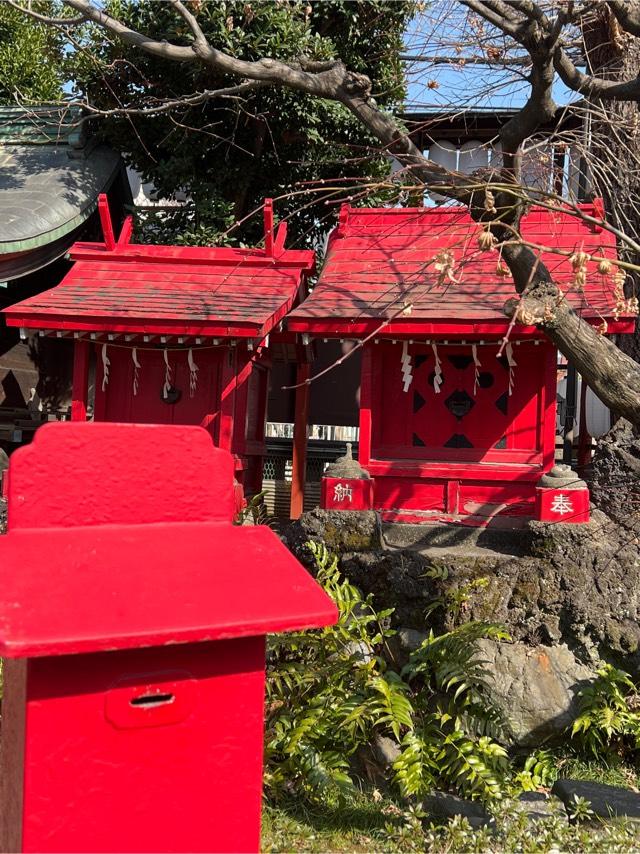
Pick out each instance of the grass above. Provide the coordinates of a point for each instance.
(371, 822)
(364, 823)
(613, 774)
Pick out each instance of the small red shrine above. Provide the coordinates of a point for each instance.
(180, 334)
(457, 405)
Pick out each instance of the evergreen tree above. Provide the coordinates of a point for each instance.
(227, 155)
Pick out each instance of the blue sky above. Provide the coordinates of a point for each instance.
(442, 29)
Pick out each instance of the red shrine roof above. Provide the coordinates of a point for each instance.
(170, 290)
(381, 259)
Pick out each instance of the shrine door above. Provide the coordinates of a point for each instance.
(118, 400)
(487, 412)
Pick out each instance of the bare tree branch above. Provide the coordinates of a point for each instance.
(612, 375)
(58, 22)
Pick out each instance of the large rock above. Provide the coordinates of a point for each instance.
(341, 531)
(578, 585)
(441, 805)
(606, 802)
(536, 687)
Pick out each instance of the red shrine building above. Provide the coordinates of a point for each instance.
(178, 335)
(457, 405)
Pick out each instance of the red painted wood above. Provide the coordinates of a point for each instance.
(268, 226)
(366, 404)
(172, 474)
(193, 256)
(418, 423)
(105, 221)
(228, 382)
(191, 786)
(124, 238)
(456, 470)
(346, 494)
(423, 494)
(193, 568)
(118, 403)
(547, 417)
(453, 496)
(80, 387)
(299, 462)
(418, 517)
(280, 239)
(343, 328)
(244, 401)
(380, 258)
(169, 290)
(568, 506)
(113, 609)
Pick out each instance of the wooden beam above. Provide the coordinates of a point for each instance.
(105, 222)
(298, 474)
(268, 227)
(80, 387)
(125, 233)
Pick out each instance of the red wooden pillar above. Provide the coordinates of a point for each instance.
(227, 399)
(80, 388)
(366, 395)
(300, 440)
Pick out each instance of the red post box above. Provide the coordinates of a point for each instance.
(132, 623)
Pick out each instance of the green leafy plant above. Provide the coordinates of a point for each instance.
(255, 510)
(329, 692)
(540, 771)
(609, 714)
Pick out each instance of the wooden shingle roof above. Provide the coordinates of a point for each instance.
(169, 290)
(380, 260)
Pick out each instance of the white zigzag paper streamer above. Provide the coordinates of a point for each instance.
(437, 379)
(407, 375)
(136, 370)
(167, 374)
(476, 362)
(193, 373)
(512, 364)
(105, 367)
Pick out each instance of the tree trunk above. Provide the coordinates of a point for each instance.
(615, 132)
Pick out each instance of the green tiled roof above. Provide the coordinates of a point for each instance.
(47, 124)
(50, 179)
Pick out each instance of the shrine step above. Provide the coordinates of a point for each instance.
(458, 538)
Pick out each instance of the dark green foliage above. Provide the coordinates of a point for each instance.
(329, 692)
(609, 718)
(30, 58)
(227, 155)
